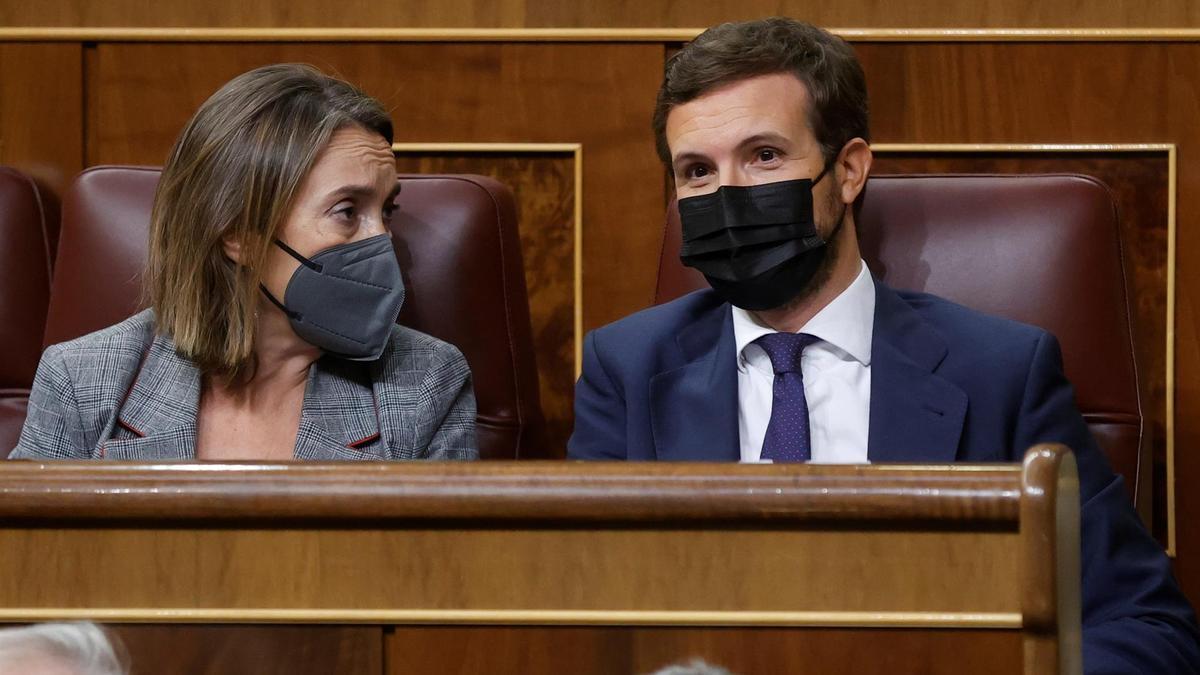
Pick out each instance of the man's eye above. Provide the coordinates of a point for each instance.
(696, 171)
(389, 211)
(767, 155)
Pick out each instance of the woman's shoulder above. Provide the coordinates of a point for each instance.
(414, 357)
(111, 346)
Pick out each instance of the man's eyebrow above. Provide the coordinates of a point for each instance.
(683, 157)
(769, 137)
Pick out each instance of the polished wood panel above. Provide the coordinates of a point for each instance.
(975, 554)
(544, 190)
(318, 573)
(760, 651)
(251, 650)
(84, 491)
(620, 13)
(41, 112)
(597, 95)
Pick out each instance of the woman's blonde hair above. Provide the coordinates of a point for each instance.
(234, 172)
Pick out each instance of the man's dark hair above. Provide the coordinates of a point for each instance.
(730, 52)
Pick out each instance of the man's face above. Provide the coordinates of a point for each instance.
(756, 131)
(750, 132)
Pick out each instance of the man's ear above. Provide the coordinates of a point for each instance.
(855, 163)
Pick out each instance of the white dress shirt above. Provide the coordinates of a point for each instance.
(837, 377)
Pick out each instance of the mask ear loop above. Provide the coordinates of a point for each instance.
(295, 316)
(842, 218)
(314, 266)
(824, 170)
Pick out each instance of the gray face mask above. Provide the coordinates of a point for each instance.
(345, 299)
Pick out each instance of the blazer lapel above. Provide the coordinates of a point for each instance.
(693, 408)
(340, 420)
(159, 409)
(916, 416)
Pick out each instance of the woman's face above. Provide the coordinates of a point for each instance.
(348, 195)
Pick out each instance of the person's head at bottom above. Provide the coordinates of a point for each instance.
(59, 649)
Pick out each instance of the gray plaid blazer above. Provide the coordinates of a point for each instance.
(124, 393)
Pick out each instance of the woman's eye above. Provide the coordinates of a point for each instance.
(696, 171)
(346, 212)
(767, 155)
(389, 211)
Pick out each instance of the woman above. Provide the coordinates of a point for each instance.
(273, 290)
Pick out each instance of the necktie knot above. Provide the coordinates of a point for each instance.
(785, 349)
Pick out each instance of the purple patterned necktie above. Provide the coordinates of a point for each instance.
(787, 437)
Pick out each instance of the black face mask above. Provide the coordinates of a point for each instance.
(757, 246)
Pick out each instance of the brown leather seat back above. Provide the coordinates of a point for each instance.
(26, 245)
(457, 241)
(1041, 249)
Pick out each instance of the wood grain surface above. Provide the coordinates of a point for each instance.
(618, 13)
(544, 189)
(761, 651)
(82, 492)
(251, 650)
(626, 567)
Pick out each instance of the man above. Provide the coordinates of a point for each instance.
(798, 354)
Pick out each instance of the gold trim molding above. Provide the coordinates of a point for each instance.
(977, 620)
(576, 150)
(161, 34)
(1172, 173)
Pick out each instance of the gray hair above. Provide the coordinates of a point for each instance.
(84, 648)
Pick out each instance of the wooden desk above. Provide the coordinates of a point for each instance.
(555, 566)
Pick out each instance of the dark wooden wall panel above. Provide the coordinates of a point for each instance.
(615, 13)
(543, 186)
(184, 649)
(745, 651)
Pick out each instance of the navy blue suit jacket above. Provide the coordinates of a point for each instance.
(947, 384)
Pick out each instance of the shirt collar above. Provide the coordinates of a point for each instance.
(846, 323)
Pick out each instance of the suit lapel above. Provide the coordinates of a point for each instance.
(916, 415)
(340, 420)
(159, 408)
(693, 408)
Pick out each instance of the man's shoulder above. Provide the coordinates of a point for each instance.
(984, 335)
(665, 320)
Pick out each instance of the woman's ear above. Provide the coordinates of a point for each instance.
(232, 248)
(855, 162)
